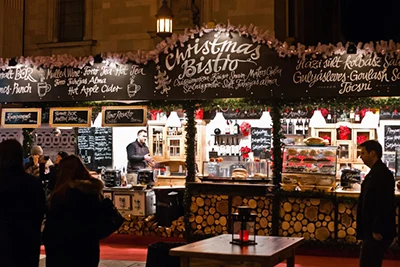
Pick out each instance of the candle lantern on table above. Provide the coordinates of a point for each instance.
(243, 227)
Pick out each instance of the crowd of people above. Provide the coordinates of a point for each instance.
(64, 194)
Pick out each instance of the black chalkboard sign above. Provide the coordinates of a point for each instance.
(390, 160)
(391, 138)
(242, 114)
(72, 117)
(21, 117)
(94, 146)
(260, 140)
(124, 116)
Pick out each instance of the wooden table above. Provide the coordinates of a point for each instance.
(218, 251)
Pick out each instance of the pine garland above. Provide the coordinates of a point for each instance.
(190, 164)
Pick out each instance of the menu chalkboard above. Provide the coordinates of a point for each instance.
(94, 146)
(21, 117)
(124, 116)
(72, 117)
(260, 140)
(391, 137)
(387, 114)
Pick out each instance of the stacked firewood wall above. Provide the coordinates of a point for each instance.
(147, 226)
(347, 225)
(311, 218)
(209, 213)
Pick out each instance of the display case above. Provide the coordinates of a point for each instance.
(225, 169)
(309, 167)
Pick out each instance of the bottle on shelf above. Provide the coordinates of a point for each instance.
(222, 148)
(228, 148)
(284, 126)
(299, 126)
(236, 128)
(334, 117)
(290, 127)
(227, 127)
(306, 127)
(351, 115)
(237, 148)
(233, 147)
(231, 127)
(357, 117)
(329, 117)
(216, 146)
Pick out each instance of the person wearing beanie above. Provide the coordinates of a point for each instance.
(39, 165)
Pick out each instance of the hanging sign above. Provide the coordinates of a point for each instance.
(70, 117)
(260, 140)
(124, 116)
(21, 117)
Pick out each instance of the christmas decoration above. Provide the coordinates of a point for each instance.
(245, 128)
(361, 139)
(344, 133)
(245, 150)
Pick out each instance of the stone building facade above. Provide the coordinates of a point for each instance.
(115, 25)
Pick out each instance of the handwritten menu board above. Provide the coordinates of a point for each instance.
(89, 83)
(94, 146)
(124, 116)
(72, 117)
(391, 138)
(390, 160)
(21, 117)
(260, 140)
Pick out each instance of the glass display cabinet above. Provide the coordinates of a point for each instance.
(156, 140)
(309, 167)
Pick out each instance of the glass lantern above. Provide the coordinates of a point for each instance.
(243, 227)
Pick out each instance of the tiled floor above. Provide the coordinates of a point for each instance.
(106, 263)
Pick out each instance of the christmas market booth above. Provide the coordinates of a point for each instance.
(272, 97)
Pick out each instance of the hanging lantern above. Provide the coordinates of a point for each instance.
(243, 227)
(164, 20)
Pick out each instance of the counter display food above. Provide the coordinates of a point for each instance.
(309, 167)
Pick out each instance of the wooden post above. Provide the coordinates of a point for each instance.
(190, 165)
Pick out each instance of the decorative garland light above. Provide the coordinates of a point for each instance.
(255, 33)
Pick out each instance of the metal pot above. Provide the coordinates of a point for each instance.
(146, 177)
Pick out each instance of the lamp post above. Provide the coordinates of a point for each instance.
(164, 20)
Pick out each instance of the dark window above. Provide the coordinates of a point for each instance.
(72, 20)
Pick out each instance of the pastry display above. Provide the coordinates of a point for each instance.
(240, 173)
(294, 159)
(314, 152)
(303, 152)
(309, 167)
(323, 160)
(328, 153)
(314, 141)
(309, 160)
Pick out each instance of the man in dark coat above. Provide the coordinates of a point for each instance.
(22, 207)
(376, 225)
(138, 156)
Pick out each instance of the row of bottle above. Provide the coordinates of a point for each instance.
(295, 126)
(353, 116)
(231, 128)
(226, 146)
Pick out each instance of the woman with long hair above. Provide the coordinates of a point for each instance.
(22, 207)
(70, 235)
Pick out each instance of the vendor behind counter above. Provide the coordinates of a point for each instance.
(138, 157)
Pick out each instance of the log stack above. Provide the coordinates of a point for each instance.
(347, 225)
(209, 213)
(147, 226)
(311, 218)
